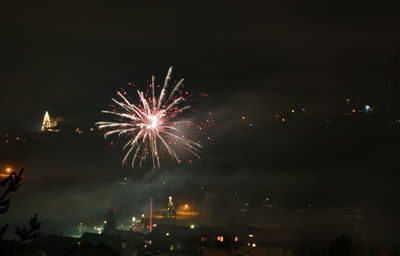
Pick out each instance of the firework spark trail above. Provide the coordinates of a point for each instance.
(150, 124)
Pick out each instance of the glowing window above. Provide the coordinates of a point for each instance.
(220, 238)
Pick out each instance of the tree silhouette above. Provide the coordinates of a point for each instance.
(8, 247)
(342, 246)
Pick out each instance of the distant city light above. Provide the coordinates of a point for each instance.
(192, 226)
(133, 219)
(367, 108)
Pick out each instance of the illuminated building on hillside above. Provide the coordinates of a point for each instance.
(48, 124)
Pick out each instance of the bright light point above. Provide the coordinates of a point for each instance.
(8, 169)
(133, 219)
(142, 215)
(192, 226)
(154, 122)
(186, 206)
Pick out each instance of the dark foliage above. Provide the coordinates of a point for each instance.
(10, 247)
(30, 233)
(342, 246)
(12, 184)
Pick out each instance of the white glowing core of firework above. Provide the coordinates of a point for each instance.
(154, 122)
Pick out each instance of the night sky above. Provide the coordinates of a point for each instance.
(255, 60)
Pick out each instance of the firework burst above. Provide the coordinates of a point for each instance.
(151, 123)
